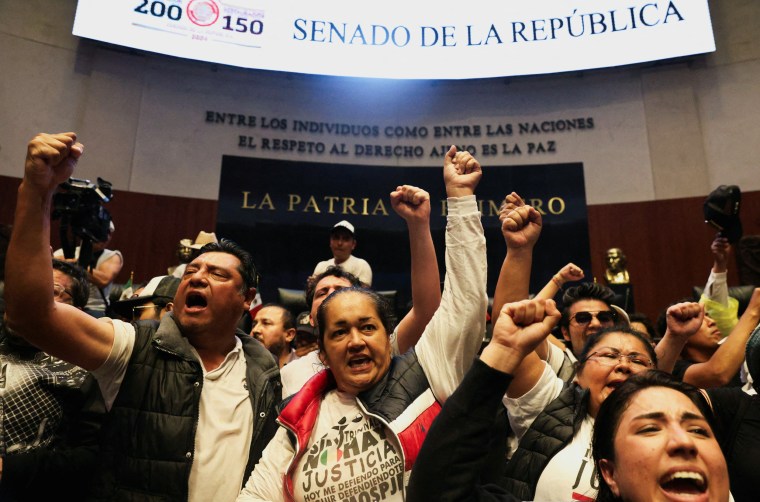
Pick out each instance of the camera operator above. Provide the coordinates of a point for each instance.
(102, 270)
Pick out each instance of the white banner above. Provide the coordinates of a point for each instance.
(405, 39)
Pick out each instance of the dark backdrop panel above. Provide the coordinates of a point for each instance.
(257, 208)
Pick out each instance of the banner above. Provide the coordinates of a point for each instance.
(402, 39)
(283, 211)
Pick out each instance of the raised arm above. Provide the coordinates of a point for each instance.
(723, 309)
(569, 273)
(521, 227)
(452, 458)
(683, 320)
(413, 205)
(56, 328)
(721, 250)
(727, 360)
(453, 336)
(533, 319)
(525, 326)
(461, 173)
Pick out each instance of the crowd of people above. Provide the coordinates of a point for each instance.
(164, 397)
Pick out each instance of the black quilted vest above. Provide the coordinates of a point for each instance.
(148, 440)
(551, 431)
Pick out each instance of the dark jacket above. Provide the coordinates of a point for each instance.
(148, 444)
(737, 417)
(552, 430)
(452, 463)
(51, 421)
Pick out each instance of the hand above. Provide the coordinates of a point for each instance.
(411, 203)
(569, 273)
(461, 173)
(511, 202)
(50, 160)
(684, 319)
(523, 325)
(720, 249)
(520, 223)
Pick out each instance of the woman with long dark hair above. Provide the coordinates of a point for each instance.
(654, 440)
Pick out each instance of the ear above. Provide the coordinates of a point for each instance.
(323, 358)
(565, 333)
(353, 245)
(169, 306)
(290, 334)
(607, 470)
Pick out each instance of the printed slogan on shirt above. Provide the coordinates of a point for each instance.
(353, 462)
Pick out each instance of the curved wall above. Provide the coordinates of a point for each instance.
(663, 136)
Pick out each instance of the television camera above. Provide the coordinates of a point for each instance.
(79, 205)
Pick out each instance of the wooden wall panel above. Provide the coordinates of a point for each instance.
(149, 227)
(667, 244)
(8, 189)
(667, 241)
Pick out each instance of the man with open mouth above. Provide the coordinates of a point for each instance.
(191, 400)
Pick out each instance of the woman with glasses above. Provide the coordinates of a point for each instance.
(553, 420)
(555, 461)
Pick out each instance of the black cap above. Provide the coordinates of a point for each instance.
(721, 209)
(163, 286)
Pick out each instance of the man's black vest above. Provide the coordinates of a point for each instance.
(149, 437)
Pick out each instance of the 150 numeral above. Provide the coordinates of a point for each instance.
(243, 25)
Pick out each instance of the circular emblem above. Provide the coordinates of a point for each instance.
(203, 12)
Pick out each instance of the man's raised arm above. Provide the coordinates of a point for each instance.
(683, 320)
(521, 227)
(56, 328)
(727, 360)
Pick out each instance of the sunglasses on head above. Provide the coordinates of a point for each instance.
(603, 316)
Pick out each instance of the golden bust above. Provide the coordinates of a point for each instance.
(616, 272)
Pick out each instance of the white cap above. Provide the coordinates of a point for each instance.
(344, 224)
(622, 315)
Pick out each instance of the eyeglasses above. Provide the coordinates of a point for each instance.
(137, 311)
(613, 358)
(603, 316)
(59, 290)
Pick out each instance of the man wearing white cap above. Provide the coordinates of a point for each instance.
(342, 243)
(152, 302)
